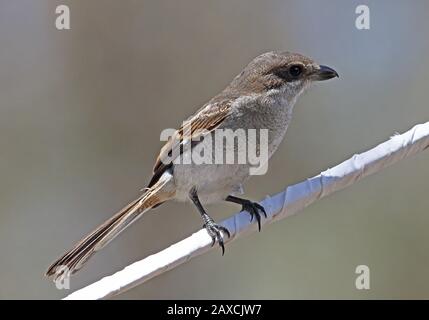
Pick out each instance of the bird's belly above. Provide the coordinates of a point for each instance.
(213, 181)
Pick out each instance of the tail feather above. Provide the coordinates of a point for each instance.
(74, 259)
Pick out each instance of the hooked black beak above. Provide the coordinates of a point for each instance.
(324, 73)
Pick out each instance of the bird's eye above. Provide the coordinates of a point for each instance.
(296, 70)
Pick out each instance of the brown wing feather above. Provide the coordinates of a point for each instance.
(204, 121)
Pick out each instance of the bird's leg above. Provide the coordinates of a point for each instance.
(252, 207)
(214, 230)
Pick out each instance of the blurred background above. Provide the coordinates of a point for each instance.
(81, 111)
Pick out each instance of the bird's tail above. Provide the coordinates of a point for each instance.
(76, 257)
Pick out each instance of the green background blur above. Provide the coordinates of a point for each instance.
(81, 111)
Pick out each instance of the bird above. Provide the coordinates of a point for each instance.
(262, 96)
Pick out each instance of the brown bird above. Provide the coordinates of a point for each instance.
(261, 97)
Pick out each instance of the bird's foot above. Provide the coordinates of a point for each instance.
(215, 231)
(254, 209)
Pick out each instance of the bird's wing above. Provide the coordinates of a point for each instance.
(197, 126)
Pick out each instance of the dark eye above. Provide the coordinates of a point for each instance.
(296, 70)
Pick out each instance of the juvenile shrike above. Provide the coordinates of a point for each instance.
(262, 96)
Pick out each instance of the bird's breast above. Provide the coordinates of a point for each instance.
(272, 113)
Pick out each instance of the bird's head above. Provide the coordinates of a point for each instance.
(283, 72)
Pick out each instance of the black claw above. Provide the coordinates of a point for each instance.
(258, 217)
(221, 245)
(254, 208)
(215, 231)
(261, 208)
(225, 230)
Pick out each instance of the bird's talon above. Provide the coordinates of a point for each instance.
(221, 245)
(262, 209)
(225, 230)
(215, 232)
(253, 209)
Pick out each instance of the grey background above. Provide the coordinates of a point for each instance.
(80, 117)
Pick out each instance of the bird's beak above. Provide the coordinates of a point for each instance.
(324, 73)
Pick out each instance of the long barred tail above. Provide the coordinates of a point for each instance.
(75, 258)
